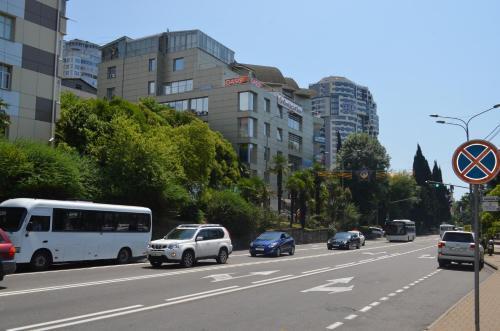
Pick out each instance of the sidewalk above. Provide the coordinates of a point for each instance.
(461, 315)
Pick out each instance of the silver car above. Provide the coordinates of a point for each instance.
(458, 246)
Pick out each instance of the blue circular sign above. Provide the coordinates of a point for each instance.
(476, 161)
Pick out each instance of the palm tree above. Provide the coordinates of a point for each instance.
(280, 168)
(4, 117)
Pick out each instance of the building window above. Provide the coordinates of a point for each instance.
(111, 72)
(279, 134)
(247, 127)
(5, 76)
(110, 93)
(152, 88)
(247, 101)
(280, 111)
(295, 162)
(6, 27)
(200, 105)
(267, 103)
(267, 129)
(178, 64)
(247, 153)
(294, 142)
(294, 121)
(267, 153)
(266, 177)
(179, 105)
(152, 65)
(178, 87)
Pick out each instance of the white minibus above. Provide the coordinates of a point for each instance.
(51, 231)
(445, 227)
(400, 230)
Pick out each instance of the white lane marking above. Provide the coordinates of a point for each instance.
(365, 309)
(399, 291)
(406, 287)
(73, 318)
(332, 289)
(351, 317)
(201, 293)
(334, 325)
(223, 277)
(375, 304)
(384, 299)
(426, 256)
(117, 314)
(194, 270)
(373, 253)
(266, 280)
(305, 272)
(392, 294)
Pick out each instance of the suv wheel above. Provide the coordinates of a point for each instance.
(222, 257)
(155, 263)
(187, 259)
(292, 250)
(442, 264)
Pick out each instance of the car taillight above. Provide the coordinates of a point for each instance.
(441, 244)
(472, 246)
(11, 253)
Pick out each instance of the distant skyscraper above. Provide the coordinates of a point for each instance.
(81, 60)
(346, 108)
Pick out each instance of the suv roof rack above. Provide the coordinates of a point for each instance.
(198, 225)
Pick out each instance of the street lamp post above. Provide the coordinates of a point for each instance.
(474, 199)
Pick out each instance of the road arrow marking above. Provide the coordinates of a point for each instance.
(223, 277)
(331, 289)
(371, 253)
(426, 256)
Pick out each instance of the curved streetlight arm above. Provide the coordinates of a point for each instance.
(484, 111)
(450, 123)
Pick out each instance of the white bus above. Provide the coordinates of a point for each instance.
(445, 227)
(51, 231)
(400, 230)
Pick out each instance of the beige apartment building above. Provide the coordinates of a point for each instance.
(30, 42)
(261, 112)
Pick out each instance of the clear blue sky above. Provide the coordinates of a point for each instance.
(417, 57)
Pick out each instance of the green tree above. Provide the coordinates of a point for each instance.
(255, 191)
(403, 195)
(4, 117)
(442, 197)
(280, 168)
(362, 153)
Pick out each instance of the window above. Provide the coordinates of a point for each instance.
(266, 177)
(247, 101)
(280, 111)
(216, 233)
(294, 121)
(247, 127)
(267, 129)
(5, 76)
(178, 87)
(279, 134)
(267, 105)
(111, 72)
(73, 220)
(110, 93)
(200, 106)
(40, 223)
(267, 153)
(151, 88)
(295, 162)
(6, 27)
(179, 105)
(152, 65)
(247, 153)
(294, 142)
(178, 64)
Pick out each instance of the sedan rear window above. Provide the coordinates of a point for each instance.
(458, 237)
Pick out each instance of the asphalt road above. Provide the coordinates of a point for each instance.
(382, 286)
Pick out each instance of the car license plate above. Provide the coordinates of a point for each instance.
(260, 249)
(156, 253)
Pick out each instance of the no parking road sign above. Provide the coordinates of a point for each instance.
(476, 161)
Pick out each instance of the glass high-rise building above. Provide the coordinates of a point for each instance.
(346, 108)
(81, 60)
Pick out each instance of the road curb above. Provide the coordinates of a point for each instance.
(494, 266)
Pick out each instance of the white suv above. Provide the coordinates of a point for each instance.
(189, 243)
(458, 246)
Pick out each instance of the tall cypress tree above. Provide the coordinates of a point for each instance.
(421, 169)
(424, 212)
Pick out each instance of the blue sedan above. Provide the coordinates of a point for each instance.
(273, 243)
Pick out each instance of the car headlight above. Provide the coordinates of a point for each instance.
(149, 245)
(172, 246)
(251, 244)
(273, 245)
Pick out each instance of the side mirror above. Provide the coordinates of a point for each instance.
(199, 238)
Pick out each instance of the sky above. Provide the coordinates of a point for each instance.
(417, 57)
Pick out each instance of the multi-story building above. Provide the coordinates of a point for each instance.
(78, 87)
(346, 108)
(31, 33)
(256, 108)
(81, 60)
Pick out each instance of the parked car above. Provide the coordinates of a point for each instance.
(458, 246)
(7, 253)
(377, 232)
(344, 240)
(273, 243)
(189, 243)
(360, 235)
